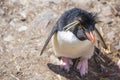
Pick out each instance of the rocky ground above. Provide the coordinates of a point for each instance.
(24, 26)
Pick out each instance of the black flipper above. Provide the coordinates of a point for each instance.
(54, 30)
(101, 39)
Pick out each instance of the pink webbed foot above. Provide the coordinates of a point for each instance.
(83, 67)
(66, 63)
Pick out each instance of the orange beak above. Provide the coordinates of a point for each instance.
(90, 36)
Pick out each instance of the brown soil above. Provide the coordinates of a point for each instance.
(24, 26)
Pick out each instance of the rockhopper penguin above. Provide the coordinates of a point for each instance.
(78, 41)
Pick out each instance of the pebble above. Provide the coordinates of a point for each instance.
(23, 15)
(24, 2)
(110, 35)
(85, 4)
(118, 46)
(8, 38)
(82, 1)
(118, 63)
(22, 28)
(55, 1)
(107, 11)
(54, 60)
(12, 23)
(2, 12)
(44, 17)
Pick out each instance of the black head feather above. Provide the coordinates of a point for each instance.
(87, 20)
(69, 16)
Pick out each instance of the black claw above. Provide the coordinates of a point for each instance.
(83, 77)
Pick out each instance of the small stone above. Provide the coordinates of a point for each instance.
(8, 38)
(44, 17)
(106, 20)
(111, 35)
(12, 23)
(13, 1)
(118, 63)
(24, 2)
(107, 11)
(118, 46)
(54, 60)
(22, 28)
(23, 15)
(55, 1)
(83, 3)
(1, 12)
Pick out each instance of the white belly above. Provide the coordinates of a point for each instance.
(66, 44)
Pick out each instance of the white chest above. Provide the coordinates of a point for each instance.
(68, 45)
(66, 37)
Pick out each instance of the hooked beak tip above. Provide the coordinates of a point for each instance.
(90, 36)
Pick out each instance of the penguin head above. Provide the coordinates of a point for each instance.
(88, 21)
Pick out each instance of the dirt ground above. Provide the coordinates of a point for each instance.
(24, 26)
